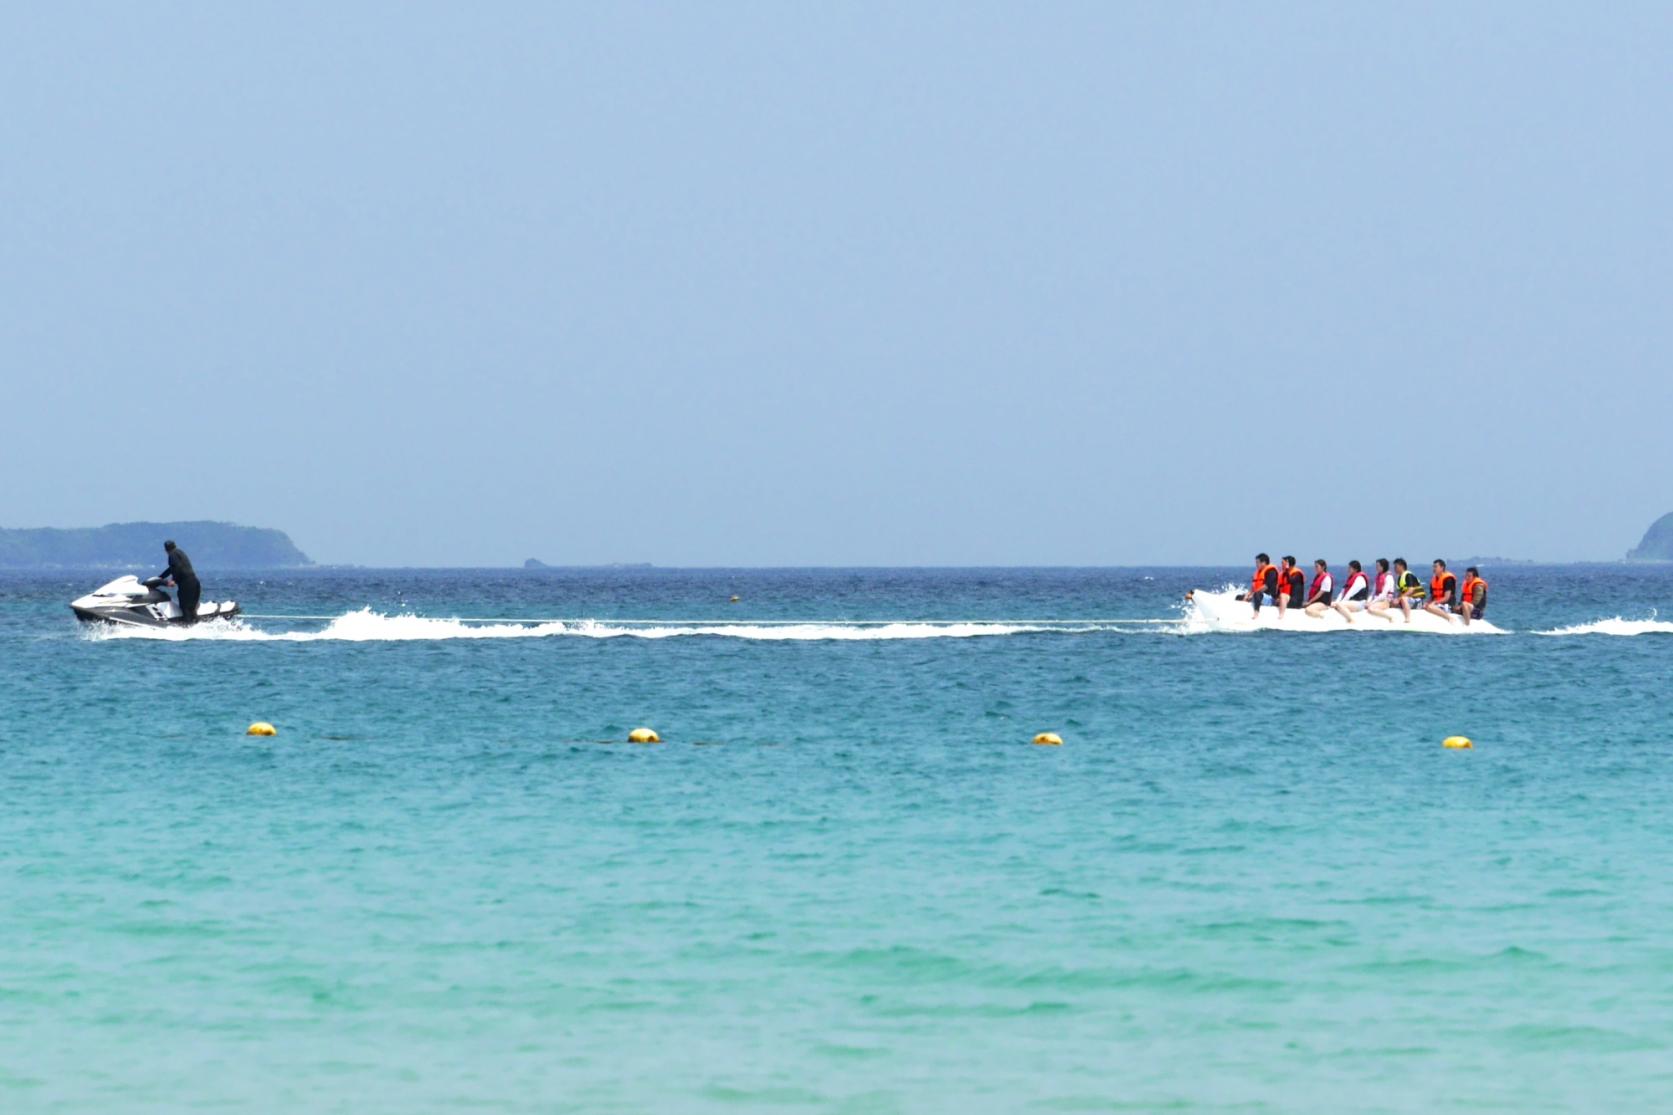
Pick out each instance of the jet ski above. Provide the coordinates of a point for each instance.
(129, 600)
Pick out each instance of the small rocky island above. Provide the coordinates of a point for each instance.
(139, 547)
(1658, 542)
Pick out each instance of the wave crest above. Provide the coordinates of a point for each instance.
(1615, 626)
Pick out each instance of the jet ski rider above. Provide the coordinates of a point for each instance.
(180, 574)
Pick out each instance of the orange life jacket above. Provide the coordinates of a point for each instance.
(1470, 589)
(1258, 585)
(1439, 590)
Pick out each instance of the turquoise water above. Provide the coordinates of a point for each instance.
(1250, 880)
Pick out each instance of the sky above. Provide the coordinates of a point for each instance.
(852, 283)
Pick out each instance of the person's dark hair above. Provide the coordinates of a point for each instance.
(1440, 563)
(1401, 562)
(1290, 558)
(1473, 571)
(1382, 564)
(1321, 563)
(1263, 559)
(169, 545)
(1356, 567)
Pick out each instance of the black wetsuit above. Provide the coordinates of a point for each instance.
(180, 571)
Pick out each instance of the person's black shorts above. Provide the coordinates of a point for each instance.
(190, 592)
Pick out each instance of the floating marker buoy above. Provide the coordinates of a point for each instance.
(643, 735)
(1048, 739)
(261, 728)
(1457, 743)
(735, 599)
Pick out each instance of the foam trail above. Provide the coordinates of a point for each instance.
(1219, 612)
(1615, 626)
(366, 625)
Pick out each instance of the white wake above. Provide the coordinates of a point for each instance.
(1615, 626)
(366, 625)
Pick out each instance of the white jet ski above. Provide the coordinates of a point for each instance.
(129, 600)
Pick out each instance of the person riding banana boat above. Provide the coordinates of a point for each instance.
(1392, 586)
(1321, 590)
(1409, 586)
(1474, 594)
(1443, 592)
(1263, 587)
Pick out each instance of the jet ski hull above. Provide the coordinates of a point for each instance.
(150, 615)
(130, 602)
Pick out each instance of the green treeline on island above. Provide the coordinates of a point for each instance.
(139, 547)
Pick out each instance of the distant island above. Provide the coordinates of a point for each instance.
(139, 547)
(1484, 562)
(536, 563)
(1658, 542)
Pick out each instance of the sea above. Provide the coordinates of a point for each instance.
(1251, 879)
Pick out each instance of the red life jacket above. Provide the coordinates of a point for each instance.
(1348, 589)
(1382, 583)
(1318, 579)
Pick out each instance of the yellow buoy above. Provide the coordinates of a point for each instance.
(643, 735)
(1049, 739)
(261, 728)
(1457, 743)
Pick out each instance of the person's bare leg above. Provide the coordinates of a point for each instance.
(1379, 608)
(1343, 608)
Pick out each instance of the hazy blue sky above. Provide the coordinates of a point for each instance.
(789, 283)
